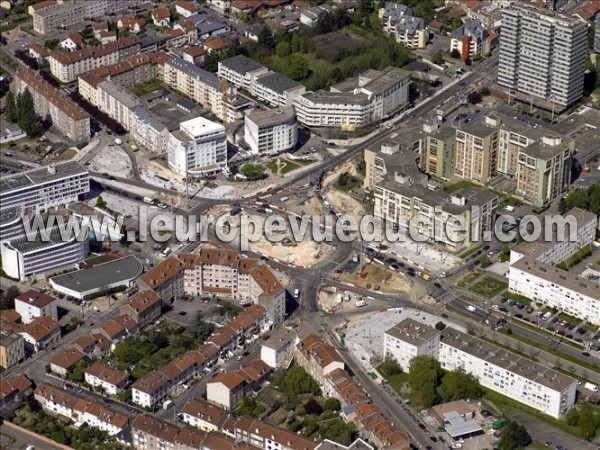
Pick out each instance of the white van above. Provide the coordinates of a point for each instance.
(296, 293)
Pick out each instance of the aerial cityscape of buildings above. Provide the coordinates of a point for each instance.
(179, 183)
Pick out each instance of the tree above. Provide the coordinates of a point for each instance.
(440, 326)
(312, 407)
(474, 97)
(455, 53)
(7, 300)
(283, 49)
(78, 372)
(423, 377)
(100, 203)
(266, 38)
(389, 368)
(200, 328)
(587, 421)
(297, 67)
(365, 6)
(253, 172)
(160, 340)
(438, 58)
(332, 404)
(27, 119)
(459, 385)
(10, 111)
(514, 436)
(484, 91)
(211, 62)
(298, 381)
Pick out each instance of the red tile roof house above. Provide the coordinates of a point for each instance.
(161, 17)
(185, 8)
(227, 388)
(14, 388)
(112, 381)
(63, 363)
(318, 358)
(42, 332)
(144, 307)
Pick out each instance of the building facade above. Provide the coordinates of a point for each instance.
(542, 54)
(408, 339)
(67, 116)
(477, 151)
(198, 148)
(12, 349)
(32, 304)
(272, 131)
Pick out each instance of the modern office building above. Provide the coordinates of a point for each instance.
(198, 148)
(271, 131)
(542, 55)
(408, 339)
(41, 189)
(31, 256)
(373, 95)
(66, 115)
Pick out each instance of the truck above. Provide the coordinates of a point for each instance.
(471, 308)
(361, 303)
(591, 386)
(167, 404)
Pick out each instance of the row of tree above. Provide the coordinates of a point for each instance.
(20, 109)
(588, 199)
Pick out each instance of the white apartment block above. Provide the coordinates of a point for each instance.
(198, 148)
(65, 14)
(455, 221)
(201, 86)
(148, 131)
(32, 304)
(533, 273)
(45, 188)
(30, 256)
(271, 131)
(542, 54)
(519, 378)
(64, 114)
(372, 96)
(471, 40)
(259, 81)
(118, 103)
(408, 339)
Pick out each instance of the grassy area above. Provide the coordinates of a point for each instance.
(518, 298)
(287, 165)
(468, 278)
(470, 251)
(551, 350)
(147, 87)
(489, 287)
(452, 188)
(272, 166)
(347, 182)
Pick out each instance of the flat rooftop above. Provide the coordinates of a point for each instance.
(33, 243)
(278, 83)
(200, 126)
(413, 332)
(271, 117)
(41, 176)
(122, 271)
(241, 64)
(507, 360)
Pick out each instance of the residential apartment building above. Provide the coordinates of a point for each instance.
(272, 131)
(201, 414)
(372, 96)
(64, 14)
(476, 155)
(393, 157)
(437, 150)
(227, 389)
(470, 40)
(516, 377)
(198, 148)
(67, 66)
(391, 14)
(455, 221)
(112, 381)
(201, 86)
(259, 81)
(32, 304)
(67, 116)
(12, 349)
(318, 358)
(408, 339)
(532, 271)
(542, 55)
(398, 20)
(29, 256)
(41, 333)
(144, 307)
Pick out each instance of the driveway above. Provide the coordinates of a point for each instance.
(543, 432)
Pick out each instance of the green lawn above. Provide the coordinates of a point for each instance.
(518, 298)
(489, 287)
(272, 166)
(451, 188)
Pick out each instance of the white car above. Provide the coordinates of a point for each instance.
(118, 141)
